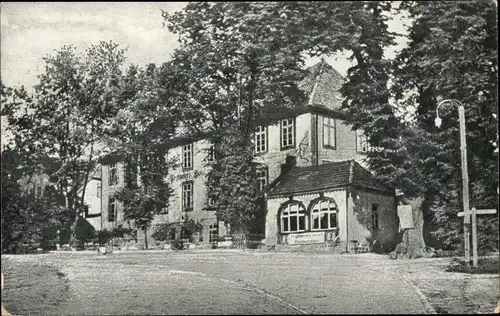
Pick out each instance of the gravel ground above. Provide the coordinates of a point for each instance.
(218, 282)
(452, 292)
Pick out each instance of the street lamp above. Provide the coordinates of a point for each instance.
(465, 176)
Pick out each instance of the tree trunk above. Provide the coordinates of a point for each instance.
(146, 238)
(72, 230)
(412, 243)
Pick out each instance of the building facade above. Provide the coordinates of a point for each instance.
(311, 135)
(338, 204)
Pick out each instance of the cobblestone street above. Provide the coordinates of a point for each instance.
(224, 283)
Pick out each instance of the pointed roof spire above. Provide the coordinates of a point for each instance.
(321, 66)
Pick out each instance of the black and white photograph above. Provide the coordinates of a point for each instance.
(249, 158)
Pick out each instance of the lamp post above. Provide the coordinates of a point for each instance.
(465, 176)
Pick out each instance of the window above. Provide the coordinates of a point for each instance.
(113, 174)
(293, 218)
(211, 201)
(130, 175)
(99, 189)
(374, 216)
(260, 139)
(262, 178)
(187, 196)
(288, 133)
(324, 215)
(213, 232)
(211, 153)
(111, 209)
(361, 142)
(187, 156)
(328, 132)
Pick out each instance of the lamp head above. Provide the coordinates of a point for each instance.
(437, 121)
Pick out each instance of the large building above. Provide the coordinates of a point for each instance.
(306, 137)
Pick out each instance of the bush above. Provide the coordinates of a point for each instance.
(103, 236)
(163, 232)
(440, 253)
(485, 265)
(189, 227)
(178, 245)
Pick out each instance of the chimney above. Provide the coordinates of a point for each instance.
(290, 162)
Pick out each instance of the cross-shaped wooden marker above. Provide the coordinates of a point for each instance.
(473, 213)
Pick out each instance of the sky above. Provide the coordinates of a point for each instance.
(32, 30)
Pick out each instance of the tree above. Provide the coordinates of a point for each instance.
(32, 211)
(18, 233)
(452, 54)
(64, 120)
(139, 136)
(228, 71)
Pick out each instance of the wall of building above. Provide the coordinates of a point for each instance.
(359, 211)
(108, 191)
(274, 204)
(274, 157)
(197, 174)
(345, 142)
(353, 218)
(93, 201)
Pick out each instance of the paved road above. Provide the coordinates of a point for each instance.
(229, 283)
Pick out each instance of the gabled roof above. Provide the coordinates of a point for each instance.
(302, 180)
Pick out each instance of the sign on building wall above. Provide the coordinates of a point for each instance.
(306, 238)
(405, 215)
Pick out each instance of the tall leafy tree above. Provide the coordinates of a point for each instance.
(31, 210)
(62, 123)
(138, 137)
(230, 70)
(452, 54)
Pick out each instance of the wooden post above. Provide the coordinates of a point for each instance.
(465, 182)
(474, 238)
(474, 214)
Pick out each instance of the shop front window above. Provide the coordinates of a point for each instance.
(324, 215)
(293, 218)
